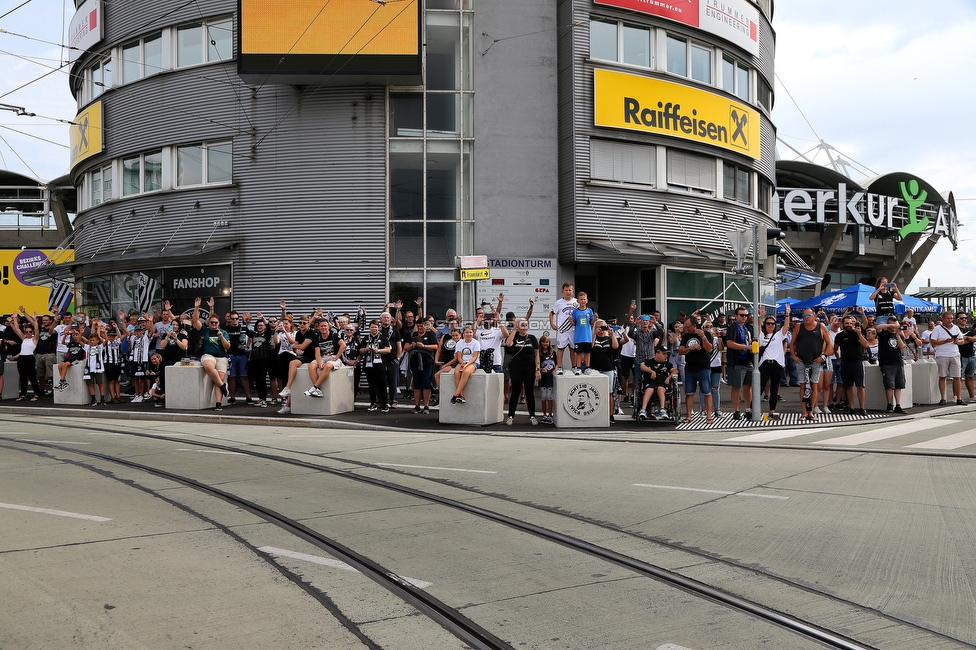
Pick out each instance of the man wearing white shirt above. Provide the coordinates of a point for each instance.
(946, 339)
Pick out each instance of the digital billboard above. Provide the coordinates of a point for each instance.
(300, 42)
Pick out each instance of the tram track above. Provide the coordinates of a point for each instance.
(474, 636)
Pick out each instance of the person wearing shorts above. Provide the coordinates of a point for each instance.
(216, 343)
(582, 318)
(849, 346)
(328, 356)
(967, 358)
(560, 320)
(696, 348)
(547, 379)
(738, 358)
(946, 339)
(808, 347)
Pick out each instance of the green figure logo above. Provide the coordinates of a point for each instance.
(913, 198)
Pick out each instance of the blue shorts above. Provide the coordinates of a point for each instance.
(968, 366)
(699, 379)
(237, 366)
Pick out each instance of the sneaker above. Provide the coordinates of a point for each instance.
(612, 421)
(416, 409)
(960, 402)
(138, 398)
(310, 392)
(942, 402)
(618, 411)
(748, 414)
(826, 410)
(284, 410)
(716, 414)
(263, 403)
(218, 407)
(426, 410)
(533, 421)
(285, 392)
(899, 409)
(559, 372)
(890, 408)
(807, 391)
(93, 403)
(642, 416)
(385, 409)
(145, 396)
(460, 399)
(317, 392)
(765, 397)
(862, 412)
(589, 371)
(372, 407)
(102, 403)
(232, 400)
(817, 410)
(394, 404)
(250, 402)
(510, 421)
(662, 414)
(454, 399)
(736, 415)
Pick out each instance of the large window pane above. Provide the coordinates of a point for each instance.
(406, 114)
(189, 166)
(107, 73)
(406, 186)
(742, 82)
(131, 174)
(153, 172)
(220, 163)
(603, 40)
(220, 41)
(695, 284)
(442, 115)
(743, 187)
(131, 62)
(677, 56)
(153, 51)
(442, 186)
(106, 183)
(189, 45)
(728, 181)
(443, 45)
(701, 64)
(441, 243)
(407, 244)
(728, 75)
(96, 187)
(637, 46)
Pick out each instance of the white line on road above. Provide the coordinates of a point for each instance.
(446, 469)
(364, 434)
(885, 433)
(769, 436)
(214, 451)
(688, 489)
(58, 513)
(671, 646)
(954, 441)
(60, 442)
(335, 564)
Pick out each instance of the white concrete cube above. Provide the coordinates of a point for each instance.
(188, 387)
(925, 383)
(484, 397)
(874, 392)
(77, 390)
(581, 401)
(338, 393)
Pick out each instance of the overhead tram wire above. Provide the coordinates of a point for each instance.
(293, 45)
(36, 137)
(332, 75)
(4, 140)
(230, 80)
(27, 2)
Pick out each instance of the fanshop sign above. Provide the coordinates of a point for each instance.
(911, 213)
(626, 101)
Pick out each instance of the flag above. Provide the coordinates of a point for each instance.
(147, 292)
(59, 298)
(103, 296)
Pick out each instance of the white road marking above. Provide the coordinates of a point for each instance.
(58, 513)
(214, 451)
(769, 436)
(335, 564)
(364, 434)
(688, 489)
(954, 441)
(102, 433)
(446, 469)
(885, 433)
(671, 646)
(60, 442)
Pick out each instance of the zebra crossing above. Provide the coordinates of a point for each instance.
(941, 435)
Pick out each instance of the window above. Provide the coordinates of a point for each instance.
(637, 45)
(701, 64)
(130, 175)
(765, 195)
(142, 173)
(101, 185)
(204, 43)
(203, 164)
(736, 183)
(142, 58)
(735, 78)
(765, 93)
(406, 114)
(622, 162)
(677, 56)
(98, 78)
(692, 172)
(220, 40)
(603, 40)
(684, 56)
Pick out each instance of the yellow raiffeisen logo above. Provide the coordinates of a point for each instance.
(86, 134)
(626, 101)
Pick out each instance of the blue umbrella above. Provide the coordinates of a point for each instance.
(920, 306)
(838, 301)
(782, 302)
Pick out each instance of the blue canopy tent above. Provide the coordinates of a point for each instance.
(858, 295)
(782, 302)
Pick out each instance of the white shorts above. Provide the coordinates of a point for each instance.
(220, 363)
(335, 363)
(565, 339)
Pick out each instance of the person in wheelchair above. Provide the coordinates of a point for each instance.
(657, 375)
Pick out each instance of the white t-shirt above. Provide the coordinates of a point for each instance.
(491, 339)
(467, 350)
(62, 346)
(563, 309)
(946, 349)
(926, 346)
(774, 344)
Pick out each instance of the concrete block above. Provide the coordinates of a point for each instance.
(581, 401)
(875, 398)
(11, 380)
(338, 393)
(925, 382)
(77, 391)
(484, 397)
(188, 387)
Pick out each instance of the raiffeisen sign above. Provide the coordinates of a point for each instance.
(912, 212)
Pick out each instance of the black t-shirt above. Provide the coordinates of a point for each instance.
(661, 371)
(328, 344)
(369, 345)
(447, 349)
(888, 352)
(351, 352)
(47, 342)
(849, 345)
(194, 339)
(966, 349)
(260, 344)
(392, 335)
(522, 352)
(698, 359)
(12, 341)
(308, 354)
(884, 303)
(238, 340)
(172, 353)
(601, 356)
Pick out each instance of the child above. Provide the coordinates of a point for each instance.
(112, 362)
(94, 366)
(561, 321)
(155, 372)
(657, 374)
(547, 365)
(73, 340)
(582, 318)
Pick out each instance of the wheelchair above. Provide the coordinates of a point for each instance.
(672, 402)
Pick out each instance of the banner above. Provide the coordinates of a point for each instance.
(147, 292)
(14, 289)
(59, 298)
(85, 134)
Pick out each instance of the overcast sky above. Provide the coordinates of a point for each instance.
(888, 84)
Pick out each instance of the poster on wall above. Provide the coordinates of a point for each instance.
(14, 289)
(521, 280)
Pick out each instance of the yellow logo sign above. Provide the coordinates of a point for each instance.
(626, 101)
(86, 134)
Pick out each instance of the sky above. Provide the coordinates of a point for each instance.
(889, 84)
